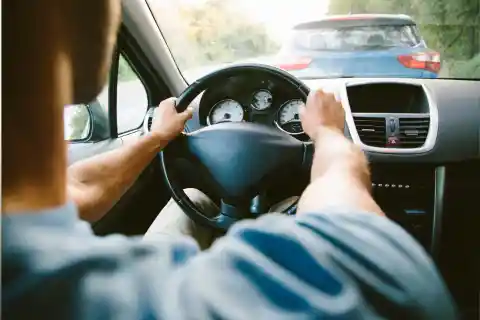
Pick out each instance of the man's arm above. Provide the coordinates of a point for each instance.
(340, 174)
(97, 183)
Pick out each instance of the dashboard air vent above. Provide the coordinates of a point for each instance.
(371, 130)
(413, 132)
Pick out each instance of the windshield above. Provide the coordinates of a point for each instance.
(325, 38)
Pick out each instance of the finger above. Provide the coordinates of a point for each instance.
(329, 99)
(315, 98)
(170, 102)
(311, 99)
(301, 111)
(319, 93)
(187, 114)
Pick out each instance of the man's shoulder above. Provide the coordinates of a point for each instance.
(52, 258)
(60, 233)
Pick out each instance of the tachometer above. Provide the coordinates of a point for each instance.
(288, 117)
(227, 110)
(262, 99)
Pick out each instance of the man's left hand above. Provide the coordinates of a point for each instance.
(167, 122)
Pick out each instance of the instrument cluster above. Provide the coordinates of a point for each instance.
(263, 102)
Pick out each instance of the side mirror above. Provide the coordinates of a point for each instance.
(77, 122)
(86, 123)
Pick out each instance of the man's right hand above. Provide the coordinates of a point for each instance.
(340, 176)
(321, 110)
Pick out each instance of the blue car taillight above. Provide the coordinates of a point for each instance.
(429, 61)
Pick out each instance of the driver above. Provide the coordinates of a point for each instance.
(338, 258)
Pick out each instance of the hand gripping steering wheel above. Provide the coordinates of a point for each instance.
(238, 157)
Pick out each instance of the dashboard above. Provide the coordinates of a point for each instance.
(421, 137)
(263, 100)
(449, 109)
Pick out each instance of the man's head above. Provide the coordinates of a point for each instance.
(84, 31)
(91, 41)
(55, 52)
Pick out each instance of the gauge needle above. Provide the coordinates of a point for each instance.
(293, 119)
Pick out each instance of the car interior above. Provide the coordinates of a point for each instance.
(421, 137)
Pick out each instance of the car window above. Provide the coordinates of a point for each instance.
(355, 38)
(132, 98)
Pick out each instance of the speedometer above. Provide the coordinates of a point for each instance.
(227, 110)
(288, 117)
(262, 99)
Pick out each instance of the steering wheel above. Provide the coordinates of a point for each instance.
(239, 157)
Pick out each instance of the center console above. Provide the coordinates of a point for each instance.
(399, 118)
(406, 193)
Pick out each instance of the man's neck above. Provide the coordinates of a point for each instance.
(34, 150)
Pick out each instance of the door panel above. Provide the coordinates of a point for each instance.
(79, 151)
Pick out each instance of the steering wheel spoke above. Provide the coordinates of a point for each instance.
(308, 154)
(178, 148)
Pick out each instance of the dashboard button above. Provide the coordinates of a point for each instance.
(392, 125)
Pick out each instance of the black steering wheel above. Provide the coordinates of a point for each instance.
(238, 156)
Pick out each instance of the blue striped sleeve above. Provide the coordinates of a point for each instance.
(334, 266)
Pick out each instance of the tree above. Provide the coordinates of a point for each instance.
(125, 72)
(212, 32)
(222, 35)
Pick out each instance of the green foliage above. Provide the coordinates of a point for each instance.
(218, 35)
(469, 69)
(125, 72)
(210, 32)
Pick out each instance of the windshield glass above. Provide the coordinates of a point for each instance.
(325, 38)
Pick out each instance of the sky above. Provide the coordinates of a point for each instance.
(280, 15)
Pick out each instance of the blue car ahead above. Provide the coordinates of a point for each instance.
(373, 45)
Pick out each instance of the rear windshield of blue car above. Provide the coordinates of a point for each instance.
(355, 38)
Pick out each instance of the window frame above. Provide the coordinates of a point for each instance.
(132, 66)
(154, 86)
